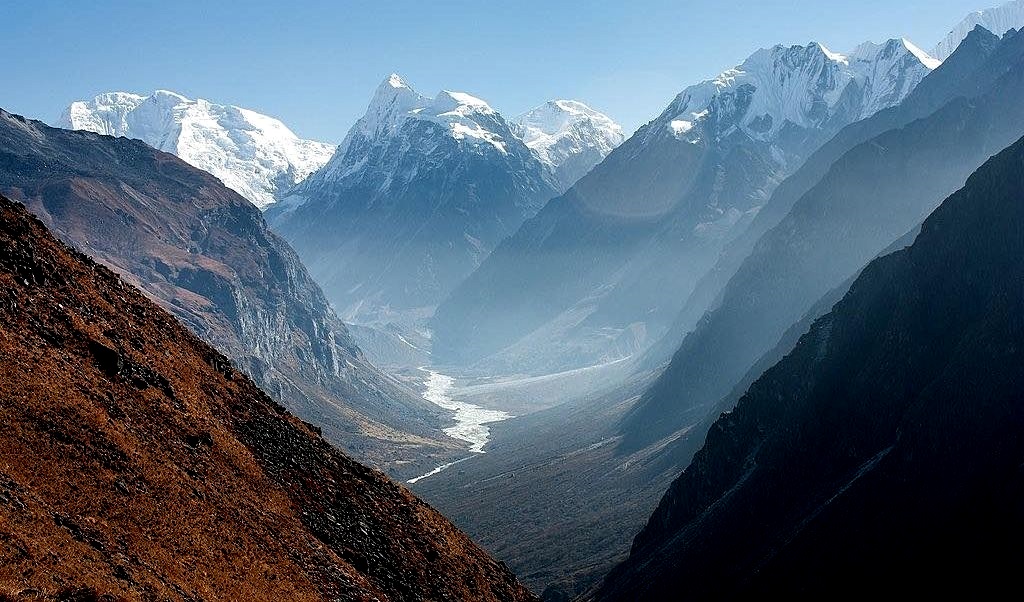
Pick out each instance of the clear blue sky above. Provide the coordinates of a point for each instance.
(315, 64)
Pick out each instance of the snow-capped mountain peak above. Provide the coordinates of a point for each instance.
(569, 137)
(804, 86)
(253, 154)
(392, 99)
(396, 109)
(998, 20)
(421, 189)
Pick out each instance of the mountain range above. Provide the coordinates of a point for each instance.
(872, 195)
(765, 346)
(422, 189)
(588, 280)
(602, 451)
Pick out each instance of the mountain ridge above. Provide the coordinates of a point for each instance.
(205, 253)
(912, 167)
(998, 20)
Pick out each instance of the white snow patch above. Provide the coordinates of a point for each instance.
(680, 126)
(833, 56)
(926, 59)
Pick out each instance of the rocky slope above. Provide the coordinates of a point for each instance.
(588, 279)
(205, 254)
(418, 193)
(255, 155)
(885, 449)
(870, 196)
(137, 463)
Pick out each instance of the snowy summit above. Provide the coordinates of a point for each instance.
(255, 155)
(810, 86)
(569, 137)
(464, 117)
(418, 193)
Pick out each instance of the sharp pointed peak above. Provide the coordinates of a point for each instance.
(394, 80)
(394, 87)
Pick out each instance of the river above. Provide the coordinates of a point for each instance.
(470, 420)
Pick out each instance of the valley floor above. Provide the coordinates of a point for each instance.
(553, 496)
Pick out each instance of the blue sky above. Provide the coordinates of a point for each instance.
(314, 65)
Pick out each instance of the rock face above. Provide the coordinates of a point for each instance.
(139, 464)
(602, 271)
(256, 156)
(569, 137)
(885, 449)
(418, 193)
(205, 254)
(871, 196)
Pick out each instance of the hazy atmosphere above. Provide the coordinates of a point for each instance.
(528, 302)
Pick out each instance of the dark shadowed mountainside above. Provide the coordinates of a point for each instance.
(886, 448)
(870, 197)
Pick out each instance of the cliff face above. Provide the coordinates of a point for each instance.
(205, 254)
(137, 462)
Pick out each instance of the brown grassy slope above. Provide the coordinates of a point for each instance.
(134, 459)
